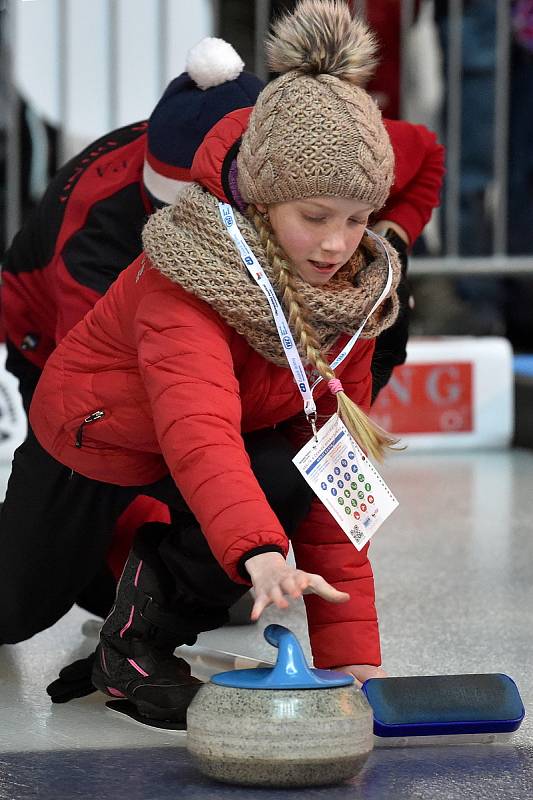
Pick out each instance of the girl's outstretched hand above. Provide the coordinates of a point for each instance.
(274, 581)
(363, 672)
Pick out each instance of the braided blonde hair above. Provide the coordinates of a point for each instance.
(373, 439)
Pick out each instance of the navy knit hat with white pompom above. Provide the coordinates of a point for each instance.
(213, 85)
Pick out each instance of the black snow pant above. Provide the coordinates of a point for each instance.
(97, 596)
(56, 527)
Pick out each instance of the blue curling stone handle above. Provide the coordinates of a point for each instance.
(291, 670)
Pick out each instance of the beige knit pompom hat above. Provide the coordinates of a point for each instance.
(314, 130)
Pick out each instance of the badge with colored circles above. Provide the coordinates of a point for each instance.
(344, 479)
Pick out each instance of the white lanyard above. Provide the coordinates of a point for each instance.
(344, 352)
(291, 352)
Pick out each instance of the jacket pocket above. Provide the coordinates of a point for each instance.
(93, 417)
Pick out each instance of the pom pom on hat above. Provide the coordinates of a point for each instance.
(314, 130)
(213, 85)
(212, 62)
(321, 36)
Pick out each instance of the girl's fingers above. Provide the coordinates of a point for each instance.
(302, 581)
(294, 585)
(291, 587)
(321, 587)
(276, 596)
(261, 602)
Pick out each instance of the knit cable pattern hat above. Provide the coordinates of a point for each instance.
(213, 85)
(314, 130)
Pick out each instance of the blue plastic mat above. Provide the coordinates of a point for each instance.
(439, 705)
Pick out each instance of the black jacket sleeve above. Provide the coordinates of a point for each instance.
(391, 345)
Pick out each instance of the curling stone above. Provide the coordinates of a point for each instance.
(288, 725)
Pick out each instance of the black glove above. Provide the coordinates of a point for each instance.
(74, 681)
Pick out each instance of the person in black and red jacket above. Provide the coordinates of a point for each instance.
(87, 229)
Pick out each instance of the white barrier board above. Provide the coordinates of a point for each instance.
(452, 392)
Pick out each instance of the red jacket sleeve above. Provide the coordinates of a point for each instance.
(346, 633)
(418, 174)
(187, 369)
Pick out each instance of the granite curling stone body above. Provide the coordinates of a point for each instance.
(285, 726)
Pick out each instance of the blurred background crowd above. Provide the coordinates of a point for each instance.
(463, 68)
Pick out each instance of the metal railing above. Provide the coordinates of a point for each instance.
(450, 260)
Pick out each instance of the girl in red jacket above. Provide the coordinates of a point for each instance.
(177, 385)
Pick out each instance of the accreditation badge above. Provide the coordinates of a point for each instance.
(344, 479)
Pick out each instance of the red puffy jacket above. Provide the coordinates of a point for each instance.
(177, 387)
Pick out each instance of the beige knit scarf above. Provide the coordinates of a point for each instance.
(189, 245)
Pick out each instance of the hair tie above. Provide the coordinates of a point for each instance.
(335, 386)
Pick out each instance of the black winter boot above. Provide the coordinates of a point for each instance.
(135, 657)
